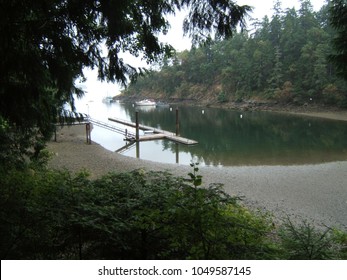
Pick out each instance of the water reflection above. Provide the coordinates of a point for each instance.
(235, 138)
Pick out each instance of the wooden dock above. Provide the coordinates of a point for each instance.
(155, 133)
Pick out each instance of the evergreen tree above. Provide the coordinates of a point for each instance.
(276, 79)
(338, 20)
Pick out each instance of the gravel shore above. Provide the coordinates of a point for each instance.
(317, 193)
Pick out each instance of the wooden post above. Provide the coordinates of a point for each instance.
(88, 134)
(137, 149)
(137, 126)
(177, 124)
(137, 135)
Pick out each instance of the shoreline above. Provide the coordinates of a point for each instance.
(316, 193)
(337, 116)
(310, 110)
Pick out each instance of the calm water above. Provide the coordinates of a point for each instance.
(225, 137)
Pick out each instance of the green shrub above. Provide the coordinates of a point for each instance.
(48, 214)
(305, 242)
(136, 215)
(222, 98)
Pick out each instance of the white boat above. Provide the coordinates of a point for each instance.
(108, 99)
(145, 102)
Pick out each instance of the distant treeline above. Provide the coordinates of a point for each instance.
(285, 59)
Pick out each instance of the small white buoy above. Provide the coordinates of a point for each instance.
(203, 111)
(170, 109)
(241, 116)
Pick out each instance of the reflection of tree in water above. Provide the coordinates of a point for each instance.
(226, 138)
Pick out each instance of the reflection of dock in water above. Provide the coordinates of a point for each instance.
(127, 147)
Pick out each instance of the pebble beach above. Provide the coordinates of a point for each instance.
(316, 193)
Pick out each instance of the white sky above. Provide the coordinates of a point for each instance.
(260, 9)
(176, 39)
(264, 7)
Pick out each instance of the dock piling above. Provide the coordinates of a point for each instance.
(88, 134)
(177, 123)
(137, 126)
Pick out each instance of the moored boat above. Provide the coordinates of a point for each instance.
(145, 102)
(108, 99)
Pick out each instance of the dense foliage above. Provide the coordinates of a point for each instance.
(49, 214)
(338, 20)
(285, 58)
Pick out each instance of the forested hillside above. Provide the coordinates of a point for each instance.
(283, 59)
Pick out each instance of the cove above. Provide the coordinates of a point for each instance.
(227, 137)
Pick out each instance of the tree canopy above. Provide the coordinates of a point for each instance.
(338, 20)
(45, 45)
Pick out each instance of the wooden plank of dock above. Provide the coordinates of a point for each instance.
(181, 140)
(154, 136)
(157, 133)
(141, 126)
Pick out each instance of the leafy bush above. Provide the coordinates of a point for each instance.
(339, 239)
(18, 145)
(305, 242)
(35, 213)
(137, 215)
(142, 214)
(222, 98)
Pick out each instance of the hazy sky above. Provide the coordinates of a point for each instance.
(264, 7)
(260, 9)
(175, 38)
